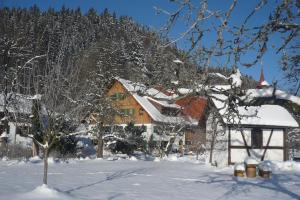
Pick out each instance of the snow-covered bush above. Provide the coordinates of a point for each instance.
(128, 141)
(66, 147)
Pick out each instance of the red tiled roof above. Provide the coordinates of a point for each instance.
(193, 106)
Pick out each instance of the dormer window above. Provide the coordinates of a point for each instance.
(170, 111)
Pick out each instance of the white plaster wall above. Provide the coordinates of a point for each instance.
(220, 158)
(12, 132)
(237, 139)
(220, 151)
(15, 138)
(275, 154)
(276, 139)
(239, 155)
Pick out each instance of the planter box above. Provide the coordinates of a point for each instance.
(251, 170)
(239, 173)
(264, 174)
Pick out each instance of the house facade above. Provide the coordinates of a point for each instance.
(157, 111)
(256, 131)
(18, 111)
(196, 108)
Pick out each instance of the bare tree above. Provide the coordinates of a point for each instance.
(231, 43)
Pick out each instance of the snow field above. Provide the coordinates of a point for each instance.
(171, 178)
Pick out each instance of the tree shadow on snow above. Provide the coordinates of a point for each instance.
(114, 196)
(239, 185)
(116, 175)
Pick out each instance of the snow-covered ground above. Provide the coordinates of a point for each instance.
(137, 179)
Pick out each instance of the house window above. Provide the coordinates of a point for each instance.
(131, 111)
(141, 111)
(118, 96)
(256, 138)
(170, 111)
(128, 111)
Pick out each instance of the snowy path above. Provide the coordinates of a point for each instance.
(142, 180)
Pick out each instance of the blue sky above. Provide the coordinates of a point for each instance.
(143, 12)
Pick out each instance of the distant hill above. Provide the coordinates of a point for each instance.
(71, 40)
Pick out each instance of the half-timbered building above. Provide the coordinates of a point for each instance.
(256, 131)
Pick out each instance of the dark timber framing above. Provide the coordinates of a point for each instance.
(265, 147)
(268, 143)
(285, 149)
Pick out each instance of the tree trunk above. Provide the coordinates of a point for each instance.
(100, 146)
(169, 146)
(46, 154)
(212, 146)
(160, 150)
(35, 149)
(198, 152)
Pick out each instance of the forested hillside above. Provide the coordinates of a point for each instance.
(66, 55)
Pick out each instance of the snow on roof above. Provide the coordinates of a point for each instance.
(158, 94)
(271, 115)
(268, 92)
(236, 78)
(264, 83)
(16, 103)
(218, 75)
(131, 86)
(201, 87)
(154, 113)
(184, 90)
(219, 87)
(36, 97)
(165, 103)
(175, 82)
(139, 87)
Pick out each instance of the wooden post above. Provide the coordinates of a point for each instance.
(266, 147)
(245, 142)
(100, 141)
(35, 149)
(46, 154)
(285, 149)
(229, 146)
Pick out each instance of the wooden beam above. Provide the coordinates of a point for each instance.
(267, 147)
(269, 139)
(285, 149)
(245, 142)
(260, 126)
